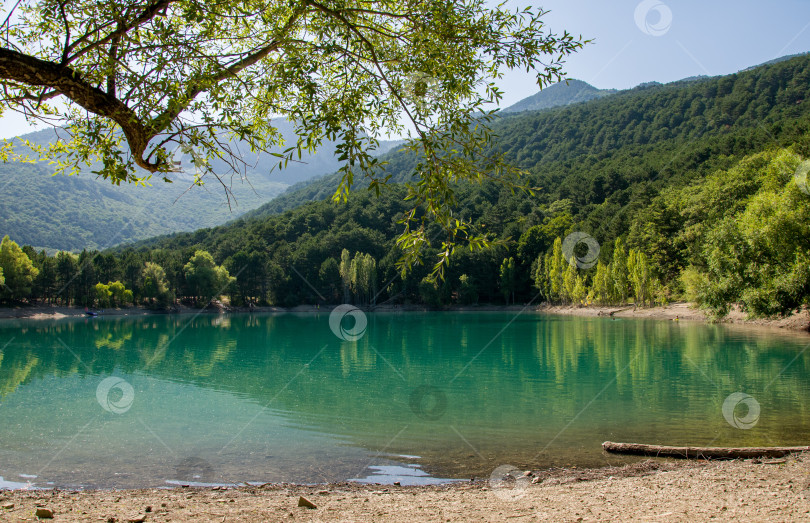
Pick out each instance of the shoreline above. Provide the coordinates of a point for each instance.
(680, 311)
(683, 311)
(750, 490)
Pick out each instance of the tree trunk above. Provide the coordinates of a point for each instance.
(700, 452)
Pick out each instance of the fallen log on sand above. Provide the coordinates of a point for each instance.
(700, 452)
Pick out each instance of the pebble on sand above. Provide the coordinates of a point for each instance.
(44, 513)
(304, 502)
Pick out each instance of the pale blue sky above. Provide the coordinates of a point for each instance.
(703, 38)
(677, 39)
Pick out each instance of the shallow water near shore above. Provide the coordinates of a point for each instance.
(412, 397)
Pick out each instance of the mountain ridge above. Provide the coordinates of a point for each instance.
(573, 152)
(90, 213)
(322, 187)
(560, 94)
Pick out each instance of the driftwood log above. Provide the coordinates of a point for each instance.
(700, 452)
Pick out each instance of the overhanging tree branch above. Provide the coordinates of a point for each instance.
(212, 75)
(40, 73)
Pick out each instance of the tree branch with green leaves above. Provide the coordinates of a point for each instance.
(131, 81)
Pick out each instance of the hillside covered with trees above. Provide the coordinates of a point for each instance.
(85, 211)
(71, 213)
(694, 190)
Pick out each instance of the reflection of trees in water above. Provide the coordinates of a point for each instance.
(537, 371)
(204, 367)
(13, 374)
(110, 337)
(101, 347)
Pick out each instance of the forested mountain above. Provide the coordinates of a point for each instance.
(77, 212)
(689, 189)
(559, 94)
(577, 150)
(72, 213)
(319, 188)
(777, 60)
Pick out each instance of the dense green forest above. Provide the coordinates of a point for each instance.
(76, 212)
(83, 211)
(695, 189)
(603, 151)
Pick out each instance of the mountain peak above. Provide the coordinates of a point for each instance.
(563, 93)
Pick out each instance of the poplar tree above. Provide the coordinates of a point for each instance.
(638, 269)
(346, 273)
(619, 272)
(556, 267)
(569, 281)
(602, 283)
(508, 279)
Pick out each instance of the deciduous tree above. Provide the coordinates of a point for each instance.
(206, 279)
(142, 78)
(508, 279)
(18, 271)
(155, 286)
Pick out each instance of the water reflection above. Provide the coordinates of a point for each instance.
(280, 398)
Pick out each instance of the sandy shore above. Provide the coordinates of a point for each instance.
(679, 310)
(649, 491)
(686, 312)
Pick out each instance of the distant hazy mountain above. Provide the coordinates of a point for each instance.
(309, 166)
(775, 61)
(76, 212)
(559, 94)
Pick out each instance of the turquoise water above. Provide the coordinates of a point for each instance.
(416, 398)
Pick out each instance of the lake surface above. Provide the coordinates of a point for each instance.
(383, 397)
